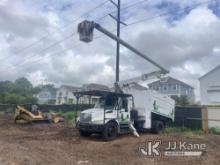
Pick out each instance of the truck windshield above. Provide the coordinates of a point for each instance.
(99, 103)
(108, 103)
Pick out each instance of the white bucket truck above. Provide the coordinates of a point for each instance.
(118, 113)
(130, 109)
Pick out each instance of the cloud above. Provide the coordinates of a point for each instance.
(188, 46)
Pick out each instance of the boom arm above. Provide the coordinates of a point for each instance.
(86, 31)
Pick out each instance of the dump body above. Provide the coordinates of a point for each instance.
(148, 102)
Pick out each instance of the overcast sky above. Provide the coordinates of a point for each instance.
(186, 42)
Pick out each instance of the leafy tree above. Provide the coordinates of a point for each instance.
(19, 92)
(23, 83)
(30, 99)
(11, 98)
(23, 86)
(181, 100)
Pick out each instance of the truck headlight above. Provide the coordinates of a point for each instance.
(85, 117)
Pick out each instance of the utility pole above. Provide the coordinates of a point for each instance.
(118, 19)
(118, 44)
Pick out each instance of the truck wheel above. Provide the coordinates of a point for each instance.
(84, 133)
(158, 127)
(110, 131)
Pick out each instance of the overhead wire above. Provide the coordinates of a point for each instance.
(68, 37)
(58, 30)
(137, 22)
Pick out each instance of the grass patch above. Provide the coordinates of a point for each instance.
(2, 113)
(182, 130)
(70, 116)
(214, 130)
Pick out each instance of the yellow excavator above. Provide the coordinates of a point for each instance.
(23, 115)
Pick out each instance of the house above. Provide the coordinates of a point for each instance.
(93, 86)
(173, 87)
(165, 85)
(64, 94)
(210, 87)
(47, 96)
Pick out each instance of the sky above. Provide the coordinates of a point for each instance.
(186, 41)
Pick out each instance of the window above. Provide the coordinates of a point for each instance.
(174, 87)
(70, 101)
(125, 104)
(165, 87)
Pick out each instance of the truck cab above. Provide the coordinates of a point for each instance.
(109, 117)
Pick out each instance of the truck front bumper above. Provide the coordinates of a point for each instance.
(93, 128)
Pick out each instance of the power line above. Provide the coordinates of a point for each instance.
(136, 22)
(160, 15)
(124, 8)
(59, 29)
(167, 13)
(68, 37)
(54, 44)
(59, 52)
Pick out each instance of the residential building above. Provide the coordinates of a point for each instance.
(173, 87)
(47, 96)
(165, 85)
(64, 94)
(93, 86)
(210, 87)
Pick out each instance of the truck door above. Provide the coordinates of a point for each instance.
(123, 112)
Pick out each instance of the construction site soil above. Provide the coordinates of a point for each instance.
(60, 144)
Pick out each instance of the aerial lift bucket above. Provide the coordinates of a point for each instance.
(85, 30)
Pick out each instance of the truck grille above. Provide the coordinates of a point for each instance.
(85, 117)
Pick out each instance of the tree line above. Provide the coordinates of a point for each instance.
(21, 91)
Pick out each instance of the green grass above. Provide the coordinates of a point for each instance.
(214, 130)
(70, 116)
(2, 113)
(183, 130)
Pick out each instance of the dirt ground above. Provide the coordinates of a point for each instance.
(56, 144)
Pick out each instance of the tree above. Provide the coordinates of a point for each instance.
(23, 83)
(19, 92)
(181, 100)
(23, 86)
(6, 86)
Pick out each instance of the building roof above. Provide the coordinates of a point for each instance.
(51, 90)
(71, 88)
(170, 80)
(135, 86)
(210, 72)
(101, 93)
(143, 77)
(94, 86)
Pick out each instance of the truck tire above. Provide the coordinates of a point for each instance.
(84, 133)
(158, 127)
(110, 131)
